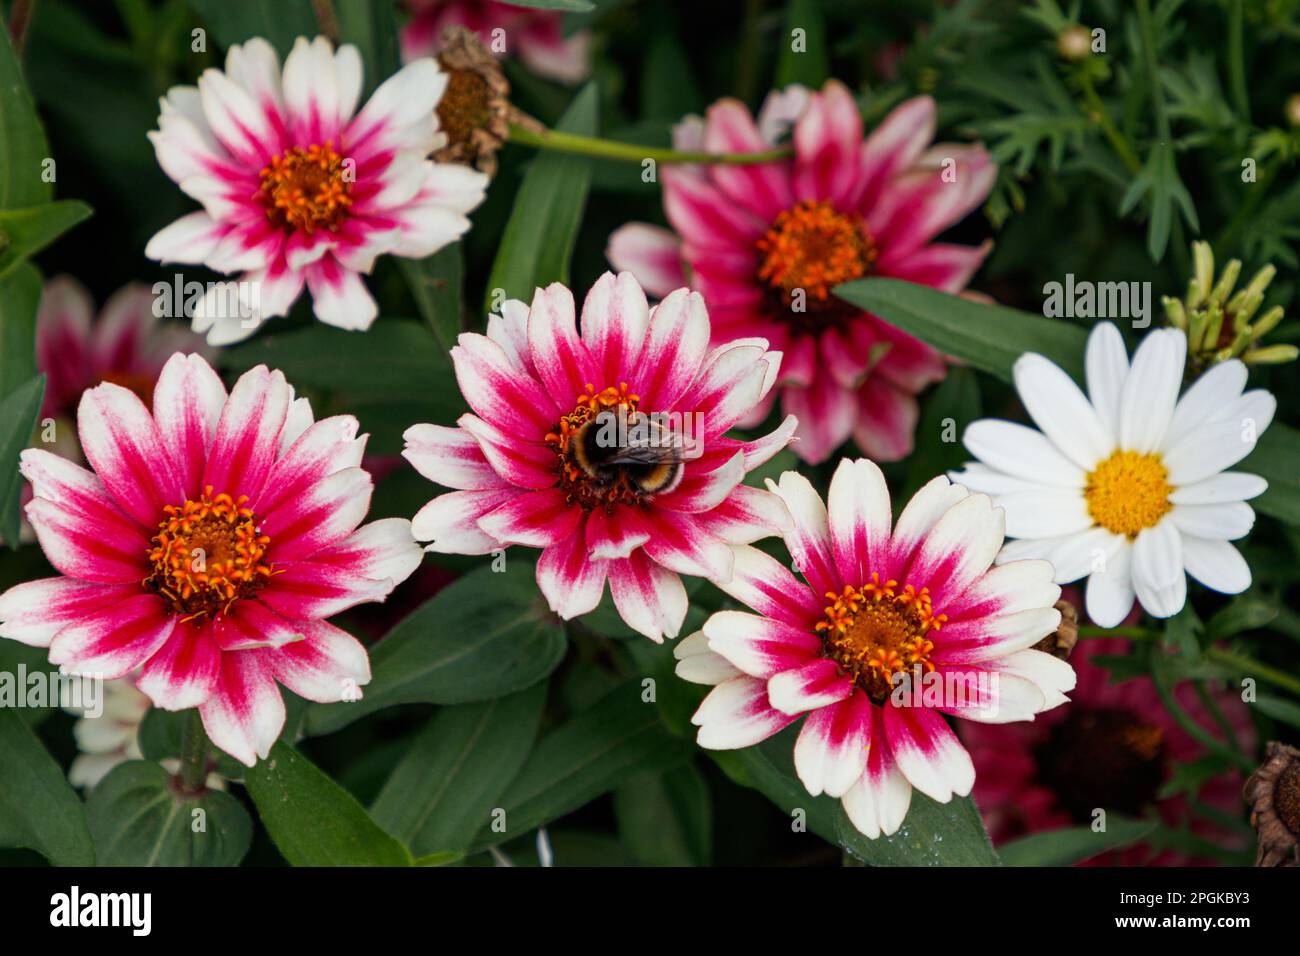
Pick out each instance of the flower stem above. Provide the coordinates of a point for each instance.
(1249, 667)
(326, 19)
(1108, 128)
(194, 755)
(1131, 633)
(630, 152)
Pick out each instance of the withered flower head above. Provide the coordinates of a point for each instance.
(1273, 792)
(1061, 641)
(475, 111)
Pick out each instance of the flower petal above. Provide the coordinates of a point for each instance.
(834, 745)
(115, 640)
(929, 753)
(245, 713)
(183, 673)
(649, 597)
(736, 714)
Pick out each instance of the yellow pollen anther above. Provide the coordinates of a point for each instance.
(207, 555)
(306, 189)
(878, 630)
(1128, 492)
(813, 248)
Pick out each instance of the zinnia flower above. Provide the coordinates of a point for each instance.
(533, 468)
(876, 610)
(1126, 486)
(766, 245)
(298, 186)
(211, 540)
(1114, 748)
(535, 36)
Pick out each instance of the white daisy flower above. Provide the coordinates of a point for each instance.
(1127, 485)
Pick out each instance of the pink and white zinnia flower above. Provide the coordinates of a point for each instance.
(876, 605)
(535, 36)
(766, 244)
(298, 186)
(526, 474)
(206, 548)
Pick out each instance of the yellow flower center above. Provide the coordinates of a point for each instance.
(1127, 492)
(879, 630)
(207, 555)
(812, 248)
(306, 189)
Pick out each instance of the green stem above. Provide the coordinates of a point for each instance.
(1249, 667)
(1147, 31)
(1131, 633)
(194, 755)
(1194, 730)
(1116, 139)
(632, 153)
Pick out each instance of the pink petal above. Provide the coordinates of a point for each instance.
(449, 456)
(329, 665)
(681, 543)
(834, 744)
(958, 550)
(571, 581)
(114, 640)
(560, 357)
(895, 145)
(523, 463)
(535, 518)
(325, 448)
(827, 140)
(324, 514)
(615, 318)
(736, 714)
(939, 265)
(928, 753)
(88, 540)
(761, 582)
(494, 388)
(765, 189)
(826, 414)
(809, 536)
(183, 673)
(886, 420)
(649, 597)
(122, 443)
(450, 521)
(729, 385)
(760, 646)
(245, 713)
(616, 533)
(877, 804)
(675, 345)
(251, 625)
(34, 611)
(859, 515)
(187, 404)
(747, 515)
(813, 685)
(651, 253)
(704, 215)
(245, 445)
(702, 491)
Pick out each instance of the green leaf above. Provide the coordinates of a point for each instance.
(1276, 458)
(594, 752)
(810, 65)
(547, 213)
(17, 419)
(1279, 708)
(25, 232)
(23, 149)
(371, 26)
(1073, 844)
(38, 807)
(933, 834)
(137, 818)
(1159, 183)
(1245, 613)
(436, 283)
(391, 356)
(989, 337)
(312, 820)
(667, 819)
(486, 635)
(444, 790)
(279, 21)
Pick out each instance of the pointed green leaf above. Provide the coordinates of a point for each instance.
(38, 807)
(25, 232)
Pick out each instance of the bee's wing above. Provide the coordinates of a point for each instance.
(642, 455)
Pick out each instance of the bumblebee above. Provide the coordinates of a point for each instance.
(631, 446)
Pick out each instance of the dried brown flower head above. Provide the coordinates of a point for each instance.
(1061, 642)
(475, 111)
(1273, 792)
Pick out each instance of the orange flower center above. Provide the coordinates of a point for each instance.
(609, 453)
(307, 189)
(879, 630)
(809, 250)
(207, 555)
